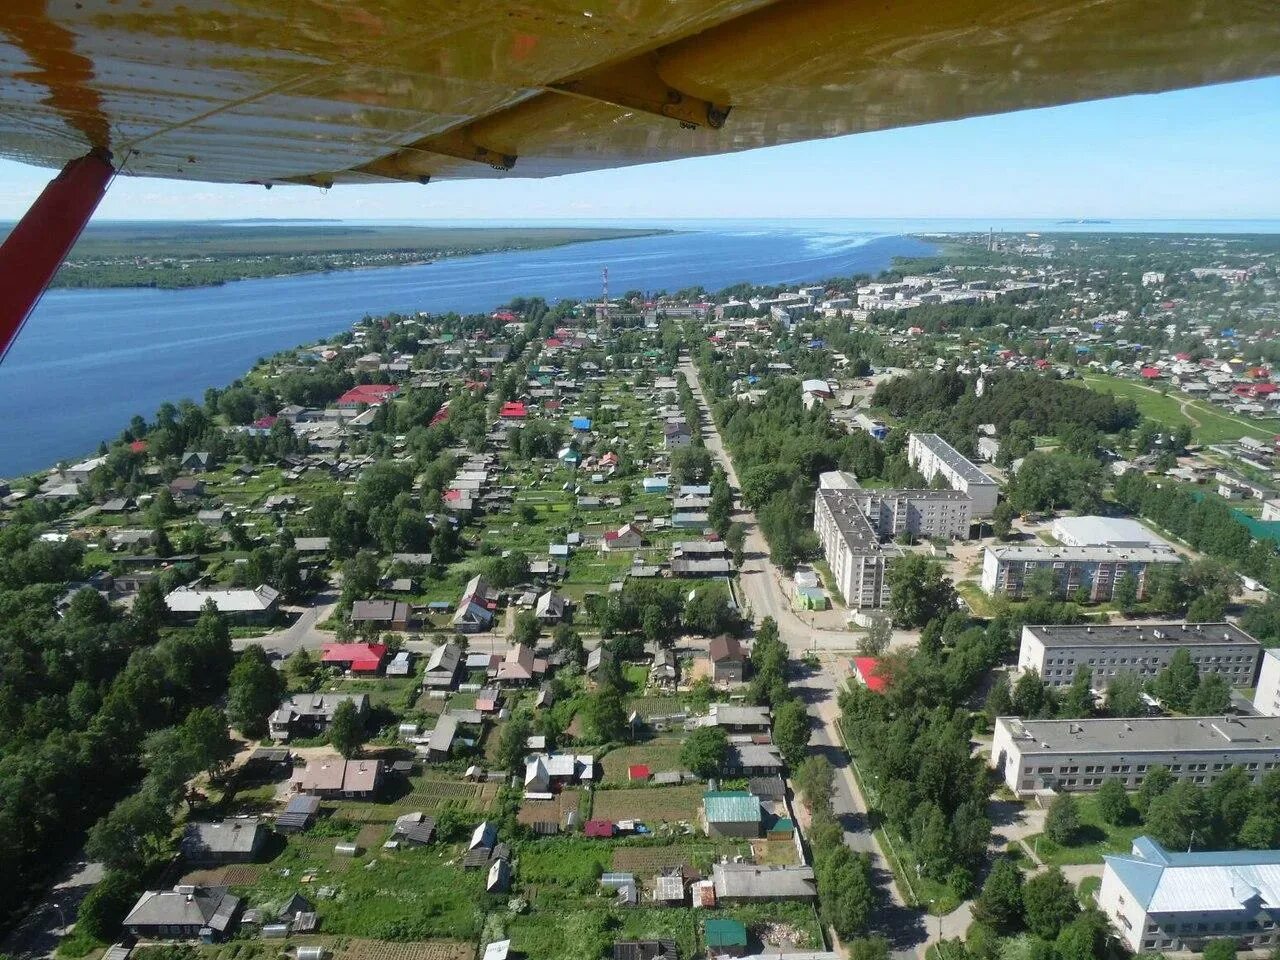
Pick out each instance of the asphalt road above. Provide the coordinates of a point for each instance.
(904, 927)
(302, 633)
(38, 935)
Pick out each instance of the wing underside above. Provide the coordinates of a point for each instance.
(338, 91)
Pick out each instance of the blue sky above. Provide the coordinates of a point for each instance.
(1210, 152)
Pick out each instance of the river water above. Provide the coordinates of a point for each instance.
(88, 360)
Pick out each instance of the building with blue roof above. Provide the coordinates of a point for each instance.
(1157, 899)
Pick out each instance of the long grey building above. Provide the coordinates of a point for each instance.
(1055, 652)
(1095, 570)
(931, 455)
(1034, 755)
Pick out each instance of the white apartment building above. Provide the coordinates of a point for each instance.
(1267, 698)
(1095, 570)
(945, 514)
(1055, 652)
(852, 548)
(1158, 899)
(931, 455)
(1035, 755)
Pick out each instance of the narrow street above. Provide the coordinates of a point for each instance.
(903, 926)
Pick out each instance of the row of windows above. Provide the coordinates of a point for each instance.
(1247, 659)
(1141, 768)
(1217, 926)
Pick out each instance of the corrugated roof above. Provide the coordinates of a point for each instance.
(731, 806)
(1210, 881)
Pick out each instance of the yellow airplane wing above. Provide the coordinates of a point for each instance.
(333, 91)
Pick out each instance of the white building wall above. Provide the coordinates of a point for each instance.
(1122, 910)
(1267, 699)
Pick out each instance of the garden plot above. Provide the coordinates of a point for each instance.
(652, 805)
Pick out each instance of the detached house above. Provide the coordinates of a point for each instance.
(442, 667)
(382, 614)
(728, 662)
(476, 608)
(356, 657)
(309, 714)
(227, 841)
(520, 666)
(627, 537)
(184, 913)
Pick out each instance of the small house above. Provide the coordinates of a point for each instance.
(226, 841)
(442, 667)
(356, 657)
(381, 614)
(186, 912)
(731, 813)
(728, 662)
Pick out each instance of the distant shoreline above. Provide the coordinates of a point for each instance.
(133, 256)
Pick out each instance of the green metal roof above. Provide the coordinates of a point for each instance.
(726, 933)
(731, 806)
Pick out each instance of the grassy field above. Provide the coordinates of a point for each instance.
(1095, 838)
(1208, 424)
(659, 755)
(650, 805)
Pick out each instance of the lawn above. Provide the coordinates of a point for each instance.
(972, 594)
(658, 755)
(408, 894)
(1214, 426)
(1095, 838)
(650, 804)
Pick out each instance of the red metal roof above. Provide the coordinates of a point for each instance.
(513, 409)
(598, 828)
(638, 771)
(868, 673)
(368, 393)
(363, 657)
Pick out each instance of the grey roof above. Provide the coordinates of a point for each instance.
(206, 907)
(1086, 554)
(379, 610)
(444, 659)
(186, 600)
(226, 837)
(442, 736)
(953, 458)
(746, 881)
(1182, 734)
(744, 756)
(1142, 634)
(855, 529)
(317, 707)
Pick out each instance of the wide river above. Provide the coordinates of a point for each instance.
(88, 360)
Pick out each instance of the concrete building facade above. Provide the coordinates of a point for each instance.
(1095, 570)
(852, 548)
(1266, 700)
(1174, 902)
(932, 455)
(1055, 652)
(1035, 755)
